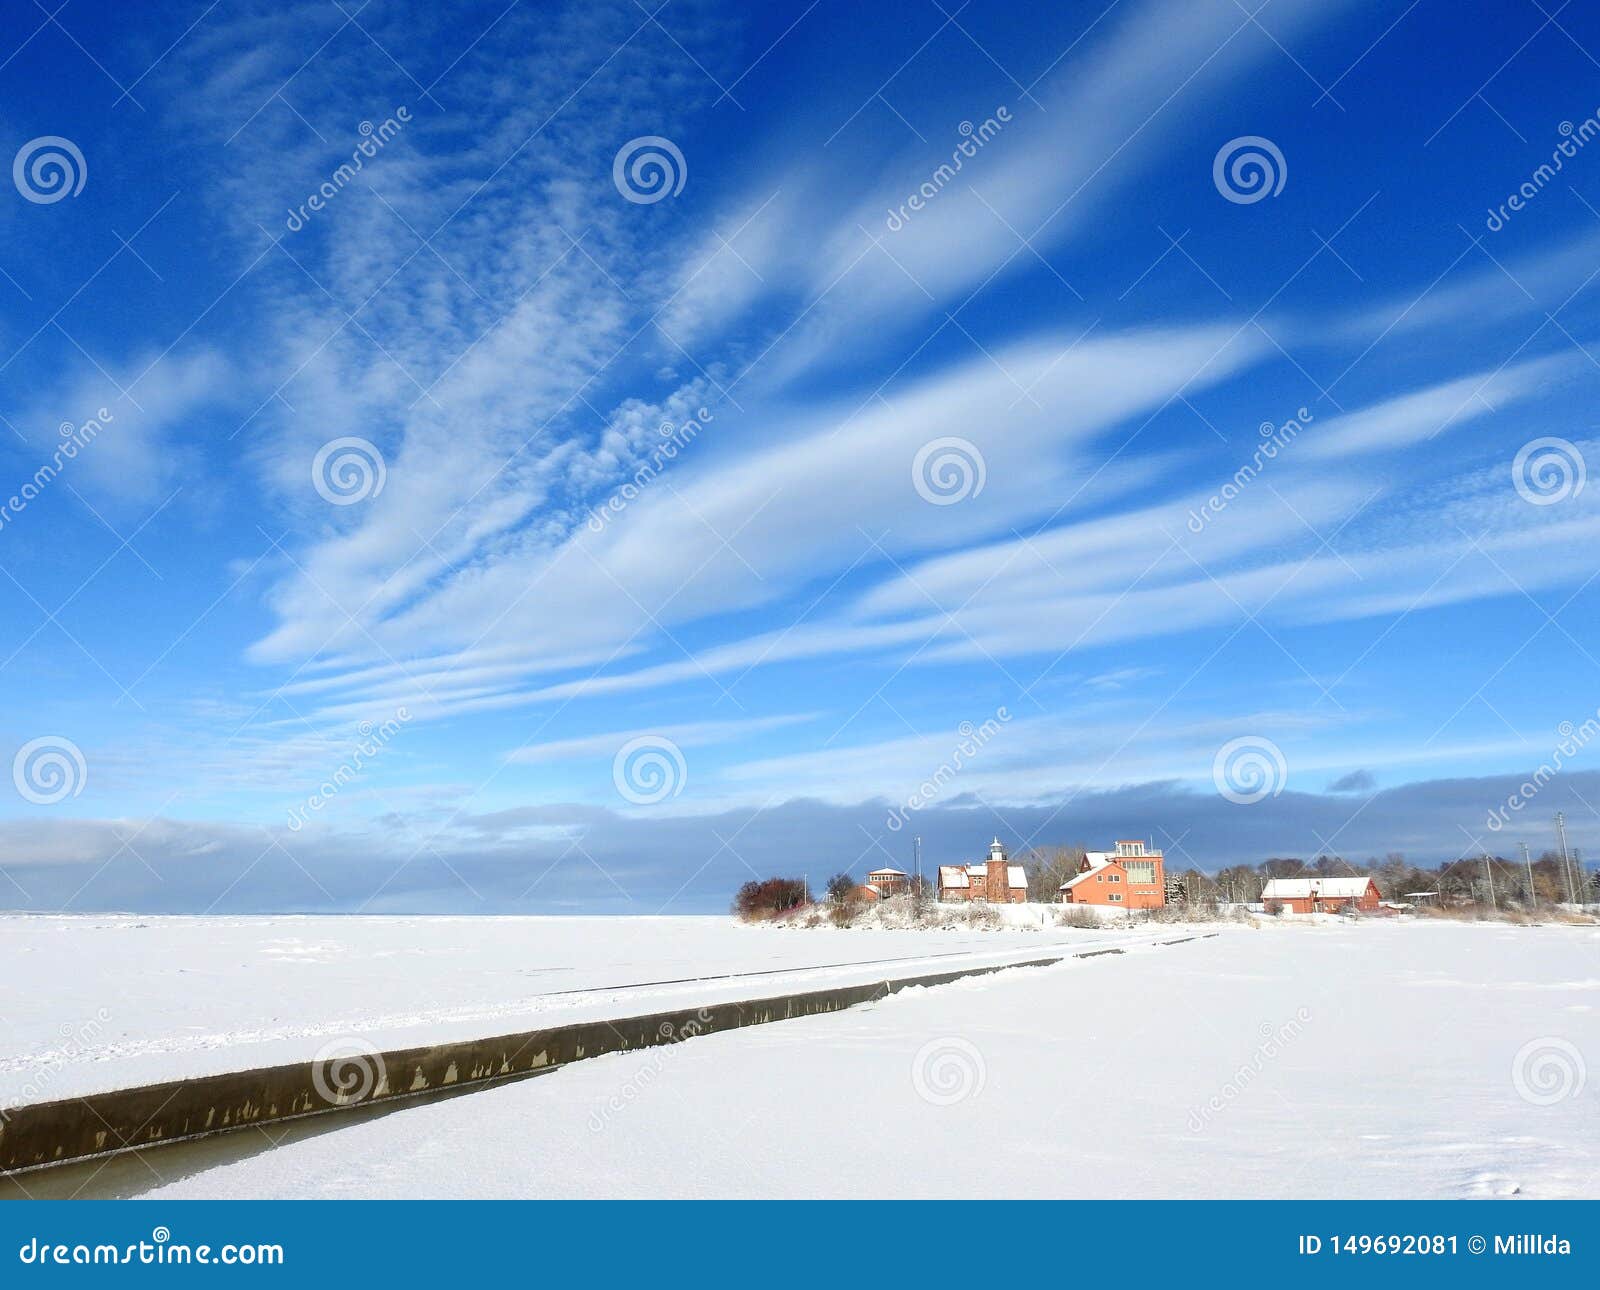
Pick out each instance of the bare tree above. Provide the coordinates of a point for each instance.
(1046, 868)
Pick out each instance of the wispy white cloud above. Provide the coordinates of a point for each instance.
(694, 734)
(147, 439)
(834, 488)
(1477, 289)
(484, 306)
(1407, 419)
(1090, 125)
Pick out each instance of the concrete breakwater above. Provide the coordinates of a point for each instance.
(46, 1134)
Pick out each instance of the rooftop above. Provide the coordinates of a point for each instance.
(1301, 888)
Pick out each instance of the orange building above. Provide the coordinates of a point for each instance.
(1131, 877)
(996, 881)
(1320, 895)
(889, 882)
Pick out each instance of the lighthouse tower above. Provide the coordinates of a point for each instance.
(995, 876)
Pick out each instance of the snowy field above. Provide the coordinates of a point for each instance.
(92, 1003)
(1375, 1060)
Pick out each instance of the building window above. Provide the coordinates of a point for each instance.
(1143, 871)
(1115, 898)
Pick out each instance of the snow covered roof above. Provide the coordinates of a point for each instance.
(1300, 888)
(957, 876)
(1099, 866)
(887, 873)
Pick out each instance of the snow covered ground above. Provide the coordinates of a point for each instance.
(1377, 1060)
(95, 1002)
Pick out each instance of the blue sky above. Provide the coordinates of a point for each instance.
(600, 533)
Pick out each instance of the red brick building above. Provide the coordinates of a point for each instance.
(996, 881)
(889, 882)
(1320, 895)
(1131, 877)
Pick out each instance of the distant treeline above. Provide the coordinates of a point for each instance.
(1491, 880)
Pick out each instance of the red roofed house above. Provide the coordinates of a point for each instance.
(1130, 877)
(996, 881)
(1320, 895)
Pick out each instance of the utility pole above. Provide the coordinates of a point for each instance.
(1566, 861)
(1533, 896)
(916, 865)
(1488, 870)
